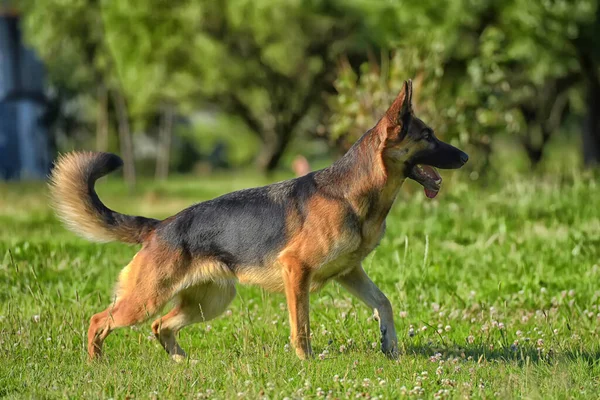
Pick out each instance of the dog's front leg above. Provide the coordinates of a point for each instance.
(296, 279)
(358, 283)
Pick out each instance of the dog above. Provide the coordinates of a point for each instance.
(293, 236)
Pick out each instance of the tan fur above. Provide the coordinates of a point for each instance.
(204, 270)
(269, 278)
(68, 190)
(296, 278)
(78, 206)
(154, 276)
(323, 236)
(141, 292)
(198, 303)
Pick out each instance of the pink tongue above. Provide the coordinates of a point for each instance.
(432, 173)
(430, 193)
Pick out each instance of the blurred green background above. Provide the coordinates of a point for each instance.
(198, 85)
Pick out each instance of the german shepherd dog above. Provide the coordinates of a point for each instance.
(293, 236)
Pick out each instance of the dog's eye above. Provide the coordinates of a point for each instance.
(426, 133)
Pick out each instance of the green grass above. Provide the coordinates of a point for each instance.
(495, 293)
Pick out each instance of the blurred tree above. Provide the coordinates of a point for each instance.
(531, 51)
(432, 45)
(277, 58)
(149, 42)
(69, 35)
(483, 68)
(266, 62)
(67, 61)
(362, 96)
(588, 55)
(164, 143)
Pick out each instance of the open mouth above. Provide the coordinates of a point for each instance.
(427, 176)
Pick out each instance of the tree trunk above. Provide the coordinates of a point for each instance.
(591, 126)
(545, 119)
(125, 140)
(273, 149)
(534, 153)
(535, 148)
(102, 122)
(164, 143)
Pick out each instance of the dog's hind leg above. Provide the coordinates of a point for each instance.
(198, 303)
(358, 283)
(126, 311)
(144, 288)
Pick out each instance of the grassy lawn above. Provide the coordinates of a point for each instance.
(495, 291)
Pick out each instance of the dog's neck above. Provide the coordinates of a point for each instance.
(368, 182)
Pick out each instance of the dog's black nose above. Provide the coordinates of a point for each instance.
(464, 157)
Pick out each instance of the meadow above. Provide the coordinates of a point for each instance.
(495, 292)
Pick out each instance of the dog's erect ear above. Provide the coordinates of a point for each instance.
(402, 105)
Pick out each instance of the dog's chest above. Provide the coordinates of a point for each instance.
(372, 233)
(372, 228)
(356, 250)
(338, 267)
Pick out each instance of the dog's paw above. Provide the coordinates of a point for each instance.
(389, 345)
(178, 358)
(304, 352)
(390, 350)
(304, 355)
(392, 353)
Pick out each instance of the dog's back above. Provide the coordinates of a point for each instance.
(239, 228)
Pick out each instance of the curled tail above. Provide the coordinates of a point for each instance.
(78, 206)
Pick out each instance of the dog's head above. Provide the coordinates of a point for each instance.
(410, 146)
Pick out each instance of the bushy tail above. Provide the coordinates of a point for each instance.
(78, 206)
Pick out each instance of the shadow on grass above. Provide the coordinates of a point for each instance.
(522, 354)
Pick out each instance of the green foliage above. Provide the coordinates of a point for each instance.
(498, 285)
(482, 68)
(67, 35)
(362, 99)
(263, 61)
(150, 43)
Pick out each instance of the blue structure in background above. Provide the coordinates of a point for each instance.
(24, 146)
